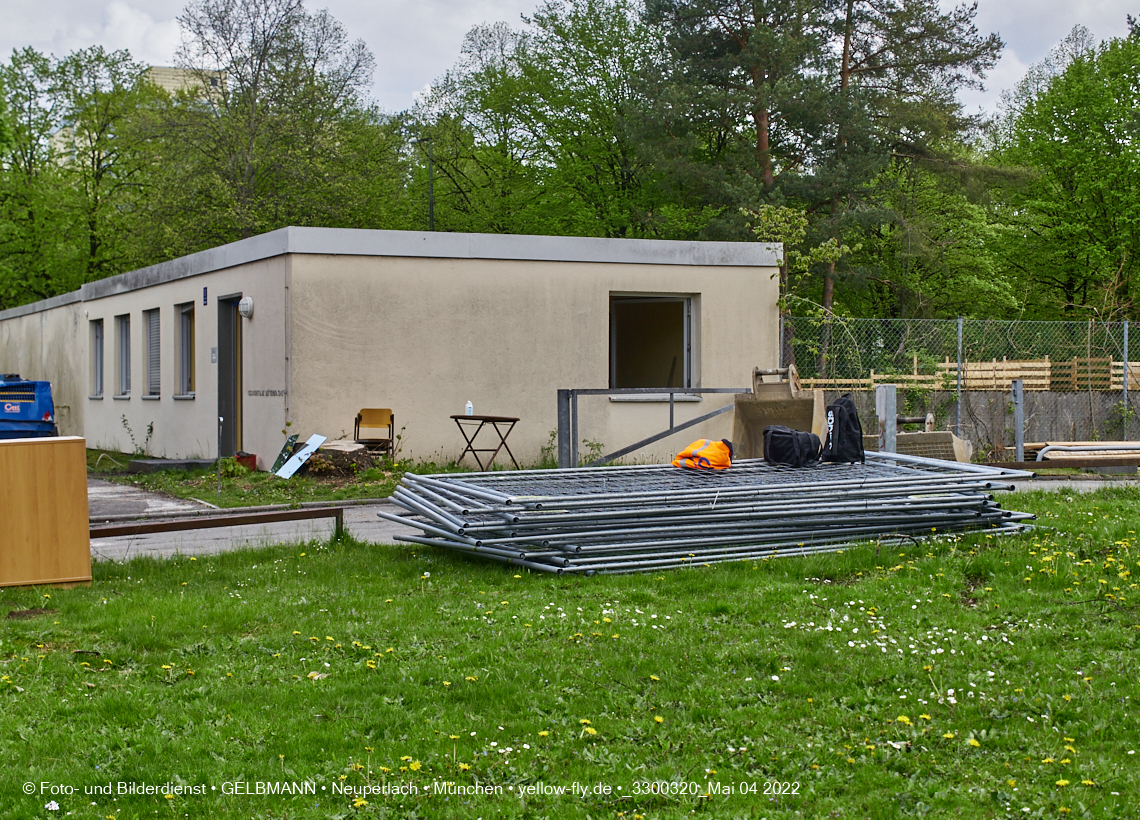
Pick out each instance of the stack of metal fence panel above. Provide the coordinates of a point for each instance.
(649, 517)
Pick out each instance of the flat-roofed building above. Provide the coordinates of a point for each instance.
(300, 328)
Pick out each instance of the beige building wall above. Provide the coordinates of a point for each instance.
(424, 336)
(46, 345)
(185, 427)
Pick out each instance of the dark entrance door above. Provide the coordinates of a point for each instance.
(229, 373)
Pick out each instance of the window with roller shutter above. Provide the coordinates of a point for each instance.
(153, 351)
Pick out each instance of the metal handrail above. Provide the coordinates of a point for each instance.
(568, 418)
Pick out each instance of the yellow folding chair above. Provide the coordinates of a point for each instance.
(370, 421)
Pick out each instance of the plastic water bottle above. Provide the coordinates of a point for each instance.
(470, 409)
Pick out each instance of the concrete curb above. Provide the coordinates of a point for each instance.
(215, 511)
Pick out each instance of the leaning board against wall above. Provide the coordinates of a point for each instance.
(44, 537)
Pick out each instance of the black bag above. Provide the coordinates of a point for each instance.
(843, 439)
(786, 447)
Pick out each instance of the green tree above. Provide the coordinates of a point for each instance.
(808, 104)
(1071, 230)
(529, 130)
(265, 133)
(36, 259)
(104, 99)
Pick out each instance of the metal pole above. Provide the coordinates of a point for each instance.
(564, 429)
(219, 467)
(886, 403)
(431, 189)
(781, 348)
(1124, 407)
(958, 408)
(573, 428)
(1018, 420)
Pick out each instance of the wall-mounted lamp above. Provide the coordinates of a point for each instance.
(245, 307)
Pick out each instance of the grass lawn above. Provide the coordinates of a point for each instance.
(971, 678)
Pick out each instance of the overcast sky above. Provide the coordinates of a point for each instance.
(415, 41)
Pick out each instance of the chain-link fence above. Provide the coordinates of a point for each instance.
(935, 354)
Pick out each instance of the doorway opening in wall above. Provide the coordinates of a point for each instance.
(651, 341)
(229, 374)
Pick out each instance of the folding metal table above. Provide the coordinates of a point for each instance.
(466, 423)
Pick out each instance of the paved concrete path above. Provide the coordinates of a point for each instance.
(108, 499)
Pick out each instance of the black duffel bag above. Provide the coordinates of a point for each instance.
(786, 447)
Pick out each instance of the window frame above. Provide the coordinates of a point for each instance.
(686, 301)
(97, 360)
(123, 355)
(185, 350)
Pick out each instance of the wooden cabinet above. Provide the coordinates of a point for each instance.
(44, 533)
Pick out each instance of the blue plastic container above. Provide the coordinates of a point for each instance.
(26, 408)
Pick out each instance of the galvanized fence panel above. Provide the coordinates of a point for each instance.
(839, 353)
(953, 357)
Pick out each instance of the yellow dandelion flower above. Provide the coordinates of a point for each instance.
(1046, 760)
(1065, 760)
(1088, 782)
(926, 717)
(590, 730)
(415, 765)
(453, 737)
(903, 719)
(472, 678)
(359, 802)
(1070, 749)
(447, 683)
(1062, 783)
(464, 767)
(584, 722)
(974, 742)
(948, 735)
(1011, 782)
(544, 734)
(654, 677)
(406, 757)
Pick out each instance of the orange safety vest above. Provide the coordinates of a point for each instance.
(705, 454)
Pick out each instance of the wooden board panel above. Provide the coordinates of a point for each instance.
(43, 512)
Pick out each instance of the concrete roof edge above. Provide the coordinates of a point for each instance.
(44, 304)
(356, 242)
(437, 245)
(256, 248)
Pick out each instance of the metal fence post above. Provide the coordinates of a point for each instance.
(573, 428)
(564, 429)
(1018, 419)
(781, 364)
(958, 404)
(1124, 402)
(886, 408)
